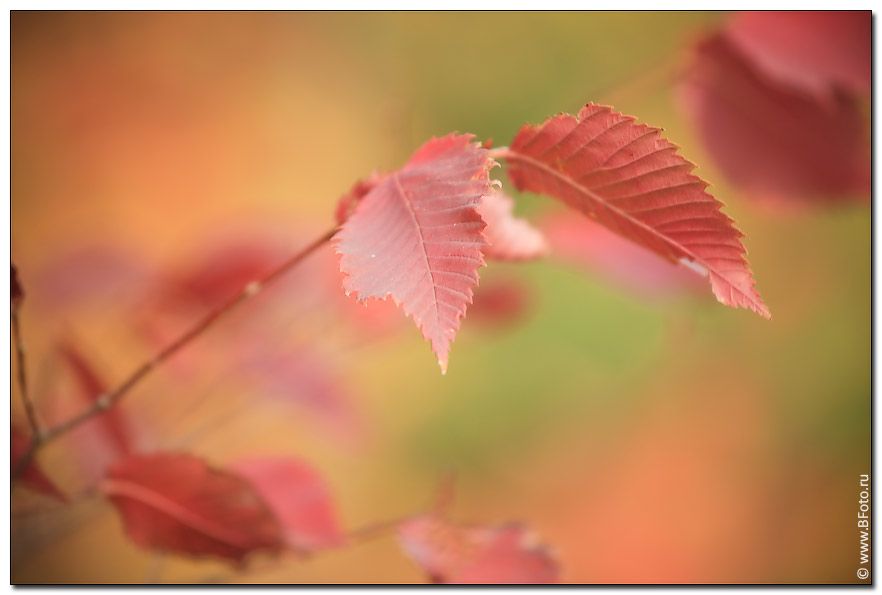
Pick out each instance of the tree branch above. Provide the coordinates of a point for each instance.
(112, 397)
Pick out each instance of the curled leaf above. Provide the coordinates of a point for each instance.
(450, 553)
(630, 179)
(299, 498)
(177, 503)
(416, 237)
(508, 237)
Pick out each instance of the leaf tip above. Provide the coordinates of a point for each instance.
(764, 311)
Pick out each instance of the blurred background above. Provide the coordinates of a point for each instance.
(646, 432)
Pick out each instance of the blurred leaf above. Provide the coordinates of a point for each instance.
(508, 238)
(449, 553)
(501, 302)
(223, 271)
(588, 244)
(774, 140)
(305, 377)
(819, 52)
(175, 502)
(91, 272)
(298, 497)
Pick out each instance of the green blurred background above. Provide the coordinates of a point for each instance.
(646, 438)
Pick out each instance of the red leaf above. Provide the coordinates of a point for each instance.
(416, 236)
(508, 238)
(474, 554)
(33, 476)
(772, 140)
(92, 387)
(298, 497)
(630, 179)
(583, 242)
(177, 503)
(819, 52)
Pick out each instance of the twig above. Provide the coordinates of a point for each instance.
(109, 399)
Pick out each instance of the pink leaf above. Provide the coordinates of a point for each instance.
(452, 553)
(585, 243)
(177, 503)
(508, 238)
(33, 476)
(771, 139)
(820, 52)
(629, 178)
(299, 498)
(416, 236)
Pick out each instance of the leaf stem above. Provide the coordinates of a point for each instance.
(112, 397)
(500, 153)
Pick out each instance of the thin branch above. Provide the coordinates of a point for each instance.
(110, 398)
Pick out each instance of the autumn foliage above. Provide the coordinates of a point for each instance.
(419, 236)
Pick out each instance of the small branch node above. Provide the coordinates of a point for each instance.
(253, 288)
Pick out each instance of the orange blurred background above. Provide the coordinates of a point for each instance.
(645, 437)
